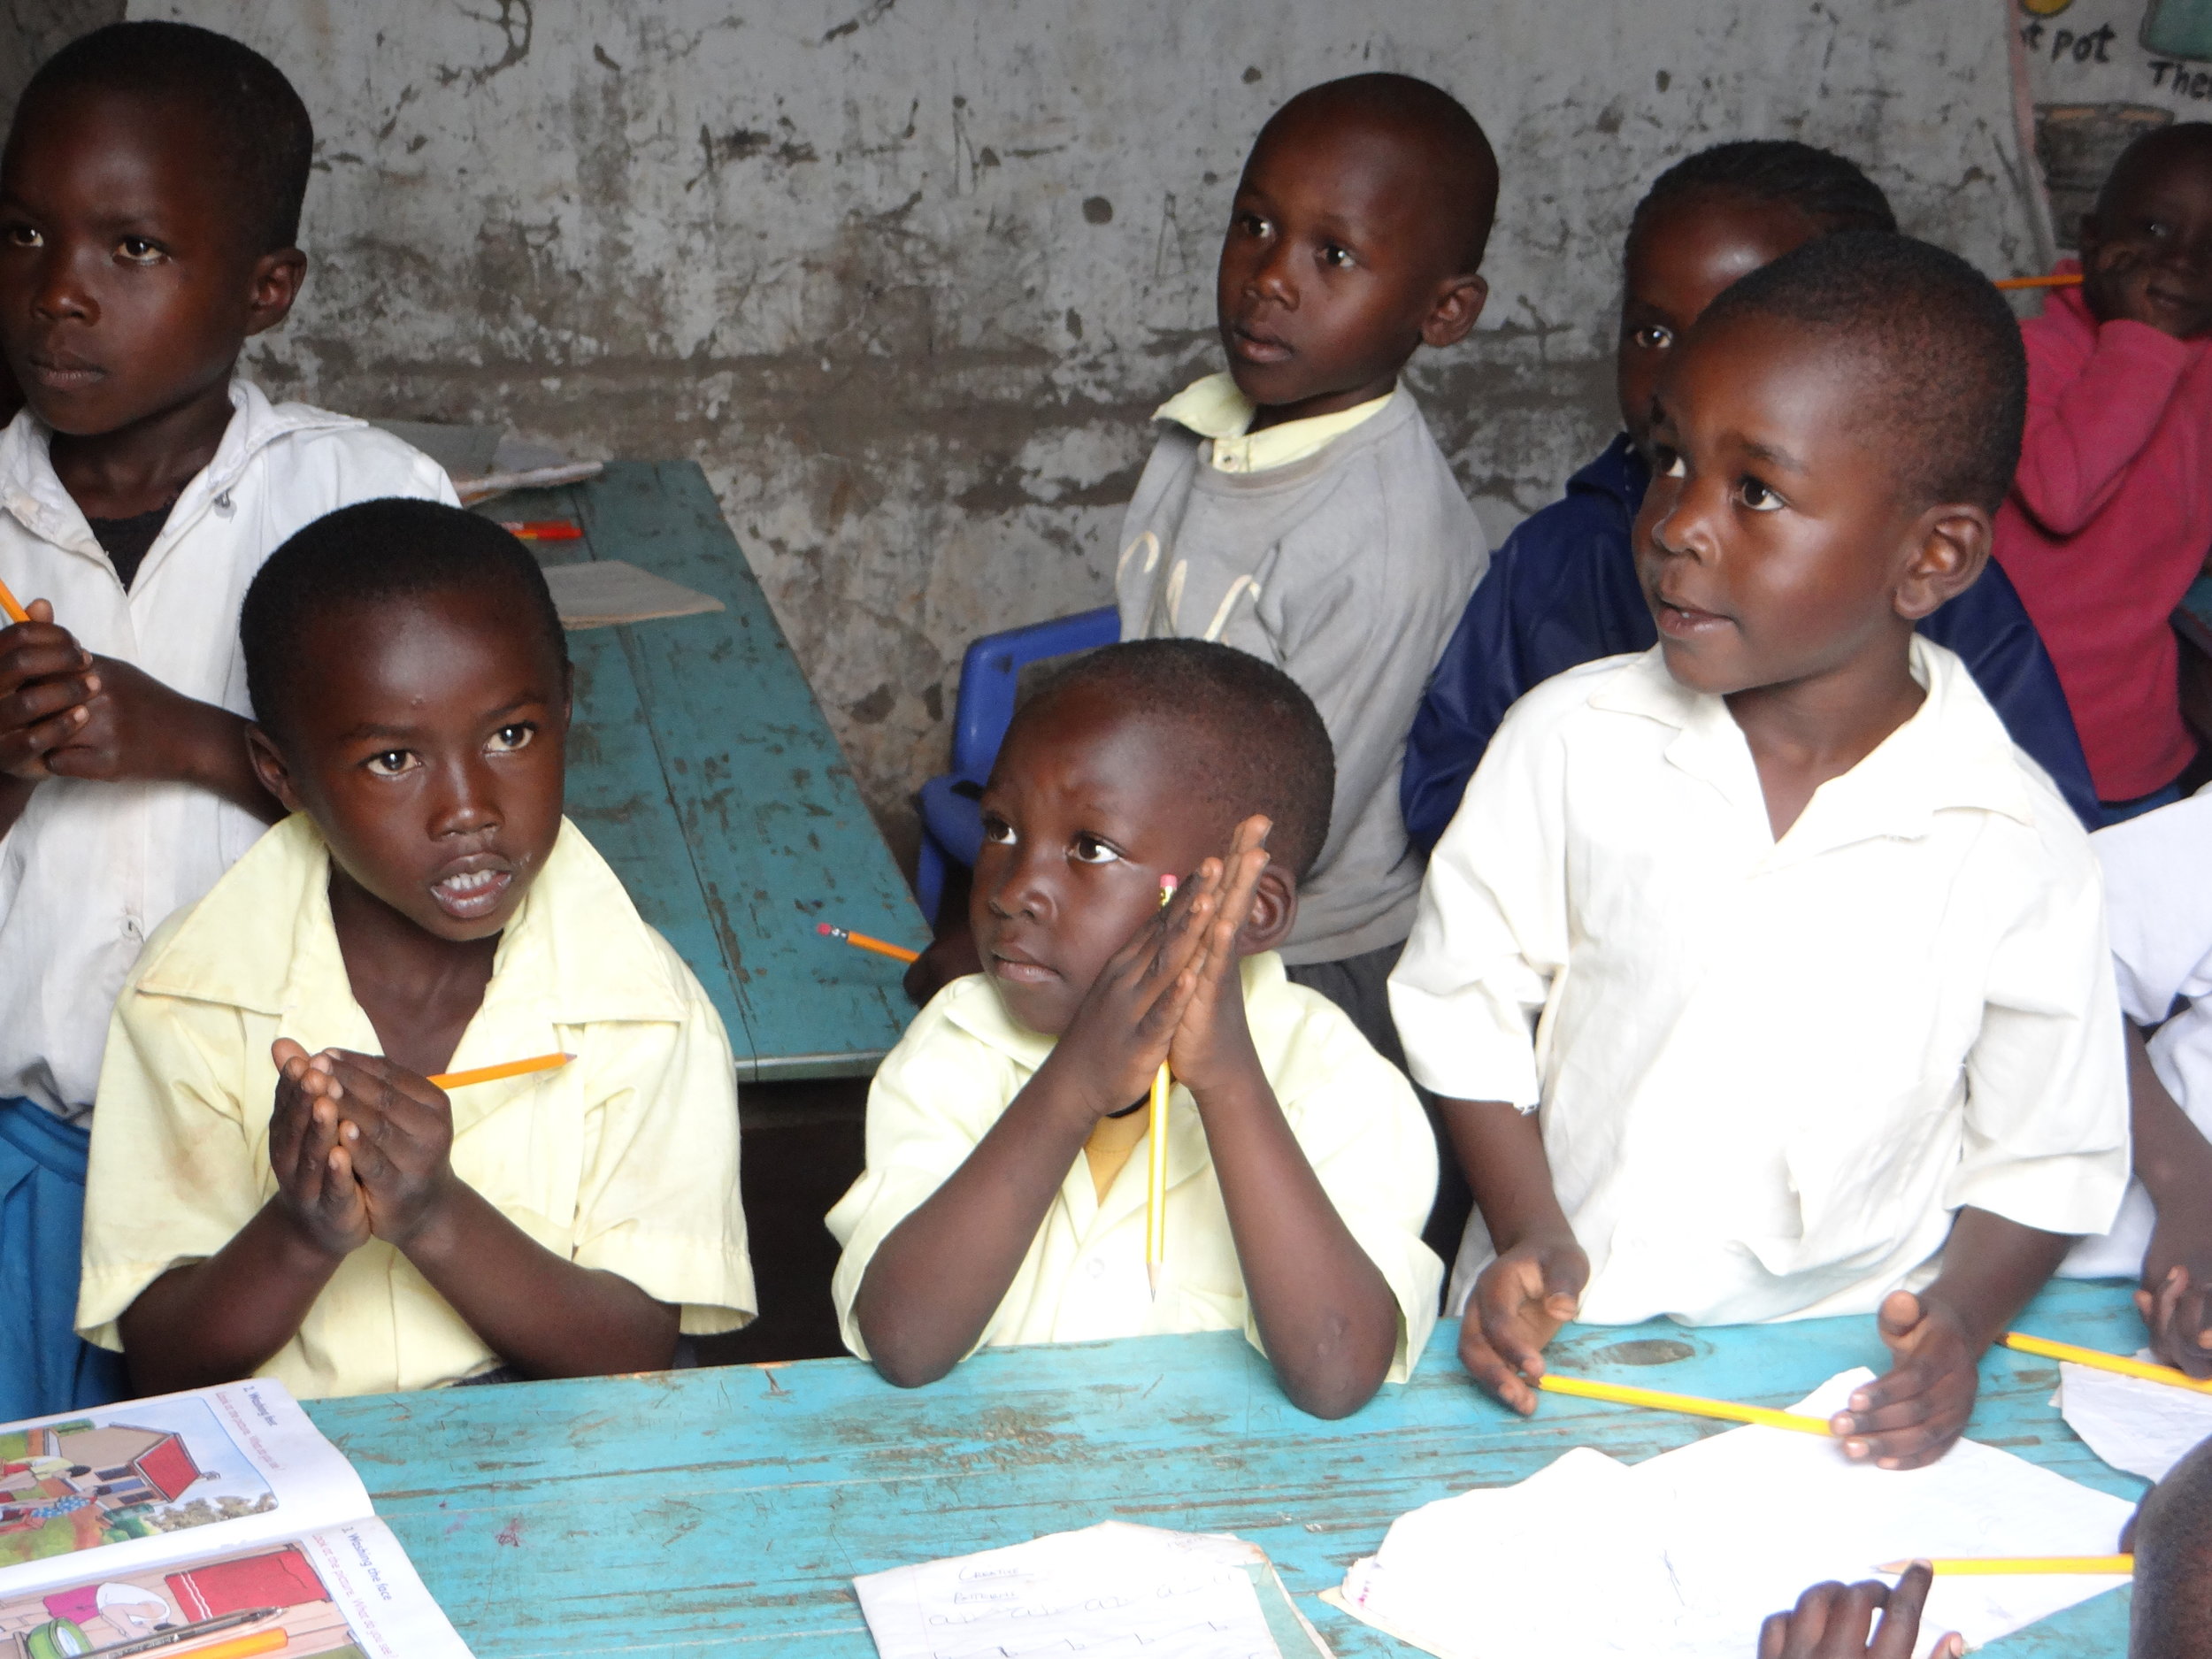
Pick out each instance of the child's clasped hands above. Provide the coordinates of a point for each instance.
(360, 1148)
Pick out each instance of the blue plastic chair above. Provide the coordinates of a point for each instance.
(952, 825)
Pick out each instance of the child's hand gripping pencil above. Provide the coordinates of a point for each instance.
(1155, 1183)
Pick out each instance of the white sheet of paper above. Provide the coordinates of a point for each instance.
(2143, 1427)
(1112, 1591)
(1684, 1555)
(602, 593)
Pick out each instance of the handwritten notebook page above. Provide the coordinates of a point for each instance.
(1683, 1556)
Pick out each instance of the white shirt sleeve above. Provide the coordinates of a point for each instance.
(2158, 898)
(1491, 936)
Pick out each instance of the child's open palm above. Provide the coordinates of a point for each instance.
(316, 1188)
(1212, 1038)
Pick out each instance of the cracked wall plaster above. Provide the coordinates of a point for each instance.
(907, 276)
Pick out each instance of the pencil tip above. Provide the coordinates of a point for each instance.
(1892, 1566)
(1152, 1277)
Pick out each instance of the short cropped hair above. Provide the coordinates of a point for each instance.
(1467, 178)
(1934, 341)
(2173, 1561)
(1829, 189)
(264, 141)
(1259, 743)
(371, 553)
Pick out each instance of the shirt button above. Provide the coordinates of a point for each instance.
(1098, 1267)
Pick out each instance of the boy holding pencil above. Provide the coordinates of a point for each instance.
(149, 202)
(1761, 977)
(1010, 1183)
(279, 1186)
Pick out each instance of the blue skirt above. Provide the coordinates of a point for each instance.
(44, 1368)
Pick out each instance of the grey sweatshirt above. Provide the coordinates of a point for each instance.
(1348, 570)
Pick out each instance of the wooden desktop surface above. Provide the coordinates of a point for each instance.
(726, 1511)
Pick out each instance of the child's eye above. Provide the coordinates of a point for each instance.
(997, 831)
(1090, 850)
(1757, 496)
(1652, 337)
(1668, 463)
(392, 762)
(1337, 256)
(2157, 229)
(138, 251)
(511, 738)
(24, 236)
(1253, 225)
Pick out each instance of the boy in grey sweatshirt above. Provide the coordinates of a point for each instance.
(1298, 508)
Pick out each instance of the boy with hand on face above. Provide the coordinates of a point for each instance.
(277, 1188)
(149, 200)
(1563, 590)
(2111, 510)
(1297, 507)
(1817, 963)
(1005, 1194)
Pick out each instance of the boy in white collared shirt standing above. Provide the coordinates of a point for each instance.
(149, 198)
(1763, 976)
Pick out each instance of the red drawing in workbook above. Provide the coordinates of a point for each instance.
(216, 1524)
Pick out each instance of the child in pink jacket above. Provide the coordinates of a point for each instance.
(2110, 516)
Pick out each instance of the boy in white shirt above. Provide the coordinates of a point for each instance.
(1764, 978)
(1006, 1195)
(150, 199)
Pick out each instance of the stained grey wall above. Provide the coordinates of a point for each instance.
(907, 276)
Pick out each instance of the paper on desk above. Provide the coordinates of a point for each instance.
(1112, 1591)
(602, 593)
(2141, 1426)
(1685, 1554)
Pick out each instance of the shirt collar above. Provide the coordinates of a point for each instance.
(32, 491)
(262, 939)
(1216, 408)
(1952, 754)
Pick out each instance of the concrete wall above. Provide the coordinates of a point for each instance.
(907, 276)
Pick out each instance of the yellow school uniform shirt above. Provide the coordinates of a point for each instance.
(1218, 410)
(626, 1159)
(1353, 1115)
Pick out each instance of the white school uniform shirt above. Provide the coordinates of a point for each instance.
(1770, 1072)
(2158, 900)
(90, 869)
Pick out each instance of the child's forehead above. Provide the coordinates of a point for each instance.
(171, 141)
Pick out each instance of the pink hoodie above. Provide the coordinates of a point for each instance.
(2109, 522)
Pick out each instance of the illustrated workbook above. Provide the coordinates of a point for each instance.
(216, 1524)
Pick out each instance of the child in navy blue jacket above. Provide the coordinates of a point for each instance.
(1563, 590)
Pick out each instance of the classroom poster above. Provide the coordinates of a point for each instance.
(2099, 73)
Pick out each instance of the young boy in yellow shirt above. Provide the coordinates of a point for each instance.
(1005, 1194)
(276, 1187)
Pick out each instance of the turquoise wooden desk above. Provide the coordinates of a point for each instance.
(726, 1511)
(700, 765)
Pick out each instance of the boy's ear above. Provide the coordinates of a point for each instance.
(1274, 908)
(273, 288)
(1952, 546)
(1458, 303)
(268, 765)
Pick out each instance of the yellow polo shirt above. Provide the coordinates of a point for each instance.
(1216, 408)
(1353, 1115)
(626, 1159)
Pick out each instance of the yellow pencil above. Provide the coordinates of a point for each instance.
(861, 942)
(1693, 1405)
(16, 612)
(2102, 1361)
(1156, 1184)
(2072, 279)
(1964, 1566)
(493, 1073)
